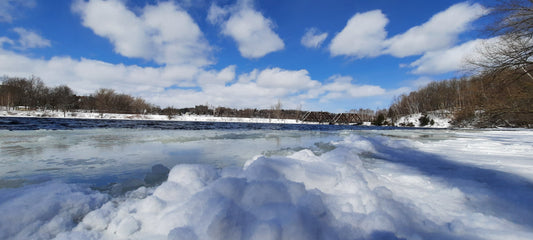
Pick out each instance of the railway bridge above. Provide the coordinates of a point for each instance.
(332, 118)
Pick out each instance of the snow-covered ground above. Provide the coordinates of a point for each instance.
(186, 117)
(440, 120)
(366, 184)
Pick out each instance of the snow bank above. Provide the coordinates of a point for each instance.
(186, 117)
(367, 187)
(440, 120)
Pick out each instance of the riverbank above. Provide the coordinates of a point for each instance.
(437, 121)
(151, 117)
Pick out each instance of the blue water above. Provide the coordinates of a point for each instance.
(16, 123)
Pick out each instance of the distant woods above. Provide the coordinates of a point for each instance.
(32, 93)
(487, 100)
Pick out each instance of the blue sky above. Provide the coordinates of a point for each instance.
(309, 54)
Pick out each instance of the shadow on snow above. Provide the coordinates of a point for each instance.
(490, 192)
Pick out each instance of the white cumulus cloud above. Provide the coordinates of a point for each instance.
(435, 40)
(291, 80)
(441, 31)
(164, 32)
(252, 32)
(363, 36)
(313, 38)
(188, 85)
(447, 60)
(342, 87)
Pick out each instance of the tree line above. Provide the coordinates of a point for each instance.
(234, 112)
(486, 100)
(32, 93)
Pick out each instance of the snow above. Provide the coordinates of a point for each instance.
(44, 210)
(441, 119)
(368, 184)
(117, 116)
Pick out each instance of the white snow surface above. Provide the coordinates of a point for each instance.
(401, 184)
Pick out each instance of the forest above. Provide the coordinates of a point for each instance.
(486, 100)
(32, 93)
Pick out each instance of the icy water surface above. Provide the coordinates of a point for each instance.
(91, 179)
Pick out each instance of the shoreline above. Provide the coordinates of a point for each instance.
(145, 117)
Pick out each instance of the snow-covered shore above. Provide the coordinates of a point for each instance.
(152, 117)
(413, 120)
(439, 120)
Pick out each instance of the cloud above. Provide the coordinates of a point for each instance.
(362, 36)
(447, 60)
(252, 32)
(441, 31)
(291, 80)
(419, 82)
(6, 40)
(313, 38)
(365, 36)
(342, 87)
(172, 85)
(216, 79)
(164, 32)
(255, 89)
(30, 39)
(86, 75)
(189, 85)
(10, 8)
(216, 14)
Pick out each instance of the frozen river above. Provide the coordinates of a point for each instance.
(92, 179)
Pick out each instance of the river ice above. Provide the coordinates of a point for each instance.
(238, 184)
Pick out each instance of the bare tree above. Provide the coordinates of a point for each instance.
(62, 98)
(512, 47)
(104, 99)
(277, 109)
